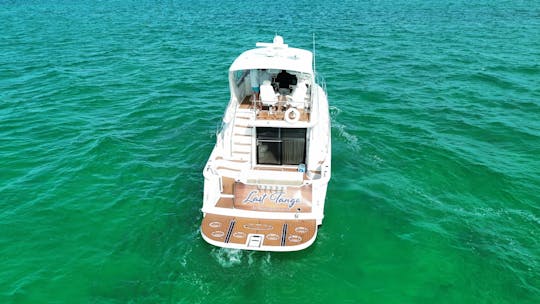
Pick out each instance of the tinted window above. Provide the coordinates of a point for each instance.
(277, 146)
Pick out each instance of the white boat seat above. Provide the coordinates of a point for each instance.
(268, 96)
(297, 99)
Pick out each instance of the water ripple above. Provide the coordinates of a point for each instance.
(108, 110)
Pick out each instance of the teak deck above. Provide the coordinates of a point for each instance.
(266, 114)
(255, 233)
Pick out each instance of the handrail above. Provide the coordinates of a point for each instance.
(236, 106)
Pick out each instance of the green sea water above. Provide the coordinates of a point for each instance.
(108, 112)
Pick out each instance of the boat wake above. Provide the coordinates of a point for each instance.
(226, 257)
(350, 140)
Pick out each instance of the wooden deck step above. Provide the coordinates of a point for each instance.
(258, 234)
(225, 202)
(228, 184)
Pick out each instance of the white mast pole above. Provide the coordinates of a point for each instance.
(314, 57)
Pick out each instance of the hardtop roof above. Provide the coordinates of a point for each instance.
(276, 56)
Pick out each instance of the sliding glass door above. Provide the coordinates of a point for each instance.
(281, 146)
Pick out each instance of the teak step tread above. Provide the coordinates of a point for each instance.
(227, 183)
(225, 202)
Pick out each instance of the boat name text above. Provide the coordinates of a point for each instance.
(255, 197)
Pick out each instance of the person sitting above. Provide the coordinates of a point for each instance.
(257, 77)
(285, 80)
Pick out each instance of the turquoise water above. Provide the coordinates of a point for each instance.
(108, 112)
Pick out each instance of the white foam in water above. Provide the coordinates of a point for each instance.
(334, 111)
(266, 264)
(227, 257)
(352, 141)
(266, 259)
(250, 258)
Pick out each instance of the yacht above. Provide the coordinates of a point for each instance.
(265, 181)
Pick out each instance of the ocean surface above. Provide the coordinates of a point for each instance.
(108, 112)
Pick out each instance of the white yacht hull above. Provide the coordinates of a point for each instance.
(265, 181)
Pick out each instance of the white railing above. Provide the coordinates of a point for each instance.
(236, 106)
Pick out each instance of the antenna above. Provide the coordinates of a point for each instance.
(314, 57)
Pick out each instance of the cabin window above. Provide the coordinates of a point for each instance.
(239, 76)
(281, 146)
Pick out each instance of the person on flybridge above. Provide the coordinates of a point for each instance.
(257, 78)
(285, 80)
